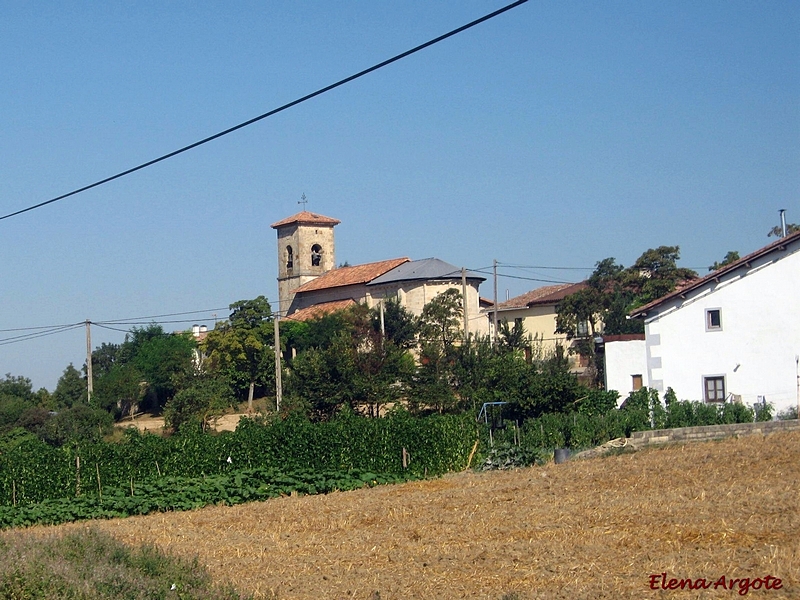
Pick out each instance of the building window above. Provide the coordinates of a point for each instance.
(714, 389)
(316, 255)
(713, 319)
(636, 382)
(583, 328)
(289, 257)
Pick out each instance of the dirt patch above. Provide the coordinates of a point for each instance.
(584, 529)
(156, 424)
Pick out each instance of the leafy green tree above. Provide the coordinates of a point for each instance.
(204, 399)
(104, 357)
(440, 320)
(120, 390)
(730, 257)
(398, 323)
(16, 396)
(164, 360)
(240, 349)
(351, 365)
(656, 273)
(76, 425)
(777, 231)
(70, 389)
(612, 291)
(512, 338)
(433, 386)
(17, 387)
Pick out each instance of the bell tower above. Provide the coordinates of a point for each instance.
(305, 251)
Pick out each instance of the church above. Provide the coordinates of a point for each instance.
(310, 285)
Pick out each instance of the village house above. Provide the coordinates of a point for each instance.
(733, 335)
(536, 311)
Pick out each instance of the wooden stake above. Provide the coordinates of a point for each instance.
(99, 487)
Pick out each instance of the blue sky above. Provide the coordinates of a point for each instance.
(557, 134)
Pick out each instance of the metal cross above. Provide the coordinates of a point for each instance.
(303, 201)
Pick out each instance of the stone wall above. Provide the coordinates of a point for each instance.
(710, 432)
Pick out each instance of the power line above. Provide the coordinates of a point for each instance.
(525, 278)
(30, 336)
(177, 314)
(272, 112)
(541, 267)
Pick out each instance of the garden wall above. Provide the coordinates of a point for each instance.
(710, 432)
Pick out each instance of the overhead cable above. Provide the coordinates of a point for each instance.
(271, 112)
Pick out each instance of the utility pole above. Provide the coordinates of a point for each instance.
(278, 383)
(89, 384)
(494, 312)
(383, 328)
(464, 297)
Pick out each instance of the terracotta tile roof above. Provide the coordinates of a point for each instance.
(350, 275)
(549, 294)
(321, 309)
(306, 218)
(624, 337)
(715, 275)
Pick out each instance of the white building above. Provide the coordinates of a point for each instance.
(731, 335)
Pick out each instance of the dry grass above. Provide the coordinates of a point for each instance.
(586, 529)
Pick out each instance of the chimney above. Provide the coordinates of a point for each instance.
(783, 222)
(203, 329)
(195, 330)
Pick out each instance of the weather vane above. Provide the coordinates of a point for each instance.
(303, 201)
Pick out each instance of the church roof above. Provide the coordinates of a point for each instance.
(549, 294)
(321, 309)
(427, 269)
(350, 275)
(306, 218)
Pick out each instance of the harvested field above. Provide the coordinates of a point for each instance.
(585, 529)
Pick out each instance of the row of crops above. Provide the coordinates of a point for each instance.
(32, 472)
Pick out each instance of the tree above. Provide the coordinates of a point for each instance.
(120, 390)
(438, 330)
(70, 389)
(655, 274)
(612, 291)
(78, 424)
(349, 364)
(398, 323)
(163, 361)
(777, 231)
(204, 399)
(730, 257)
(240, 349)
(440, 320)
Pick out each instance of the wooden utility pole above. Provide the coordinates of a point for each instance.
(494, 312)
(278, 383)
(464, 303)
(383, 328)
(89, 384)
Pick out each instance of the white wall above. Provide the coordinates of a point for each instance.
(756, 347)
(624, 359)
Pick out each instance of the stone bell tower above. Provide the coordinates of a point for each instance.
(305, 251)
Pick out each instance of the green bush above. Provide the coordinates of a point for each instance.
(93, 566)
